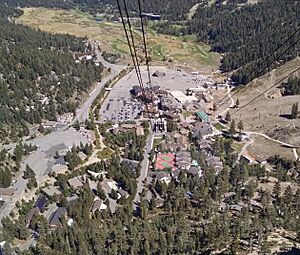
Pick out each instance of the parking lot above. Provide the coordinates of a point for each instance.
(120, 109)
(119, 105)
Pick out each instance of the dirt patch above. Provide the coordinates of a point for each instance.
(264, 148)
(269, 114)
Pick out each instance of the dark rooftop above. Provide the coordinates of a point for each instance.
(56, 217)
(41, 202)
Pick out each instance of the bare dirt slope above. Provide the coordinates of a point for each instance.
(269, 114)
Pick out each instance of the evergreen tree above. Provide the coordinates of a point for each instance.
(294, 113)
(228, 117)
(232, 130)
(240, 126)
(277, 189)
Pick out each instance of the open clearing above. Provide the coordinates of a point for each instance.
(183, 51)
(269, 114)
(264, 148)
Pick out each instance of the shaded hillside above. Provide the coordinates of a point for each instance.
(247, 34)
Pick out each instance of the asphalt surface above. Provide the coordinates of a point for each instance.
(83, 112)
(41, 160)
(119, 105)
(144, 170)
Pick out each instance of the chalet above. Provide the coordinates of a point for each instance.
(215, 163)
(98, 205)
(123, 193)
(59, 160)
(131, 165)
(41, 202)
(151, 16)
(201, 129)
(108, 185)
(163, 177)
(229, 195)
(2, 202)
(183, 165)
(175, 173)
(97, 175)
(204, 145)
(31, 214)
(194, 171)
(51, 191)
(82, 156)
(235, 209)
(57, 216)
(75, 183)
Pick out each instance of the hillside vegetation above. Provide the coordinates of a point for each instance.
(247, 34)
(38, 76)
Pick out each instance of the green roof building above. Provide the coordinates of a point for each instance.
(202, 116)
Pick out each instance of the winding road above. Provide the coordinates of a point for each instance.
(82, 113)
(249, 133)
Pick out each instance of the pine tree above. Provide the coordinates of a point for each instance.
(294, 113)
(228, 117)
(240, 126)
(232, 127)
(277, 189)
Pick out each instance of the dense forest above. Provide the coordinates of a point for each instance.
(190, 221)
(39, 77)
(246, 35)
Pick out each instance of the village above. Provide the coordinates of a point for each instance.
(138, 141)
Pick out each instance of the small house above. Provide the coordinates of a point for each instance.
(57, 216)
(98, 205)
(75, 183)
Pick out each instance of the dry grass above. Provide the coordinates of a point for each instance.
(266, 114)
(181, 50)
(264, 148)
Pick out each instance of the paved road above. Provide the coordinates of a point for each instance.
(83, 112)
(144, 169)
(39, 160)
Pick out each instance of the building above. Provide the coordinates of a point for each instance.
(163, 177)
(2, 202)
(82, 156)
(180, 97)
(151, 16)
(123, 193)
(158, 73)
(132, 165)
(202, 116)
(194, 171)
(51, 191)
(30, 215)
(41, 202)
(136, 91)
(98, 205)
(140, 131)
(75, 183)
(200, 130)
(160, 125)
(57, 216)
